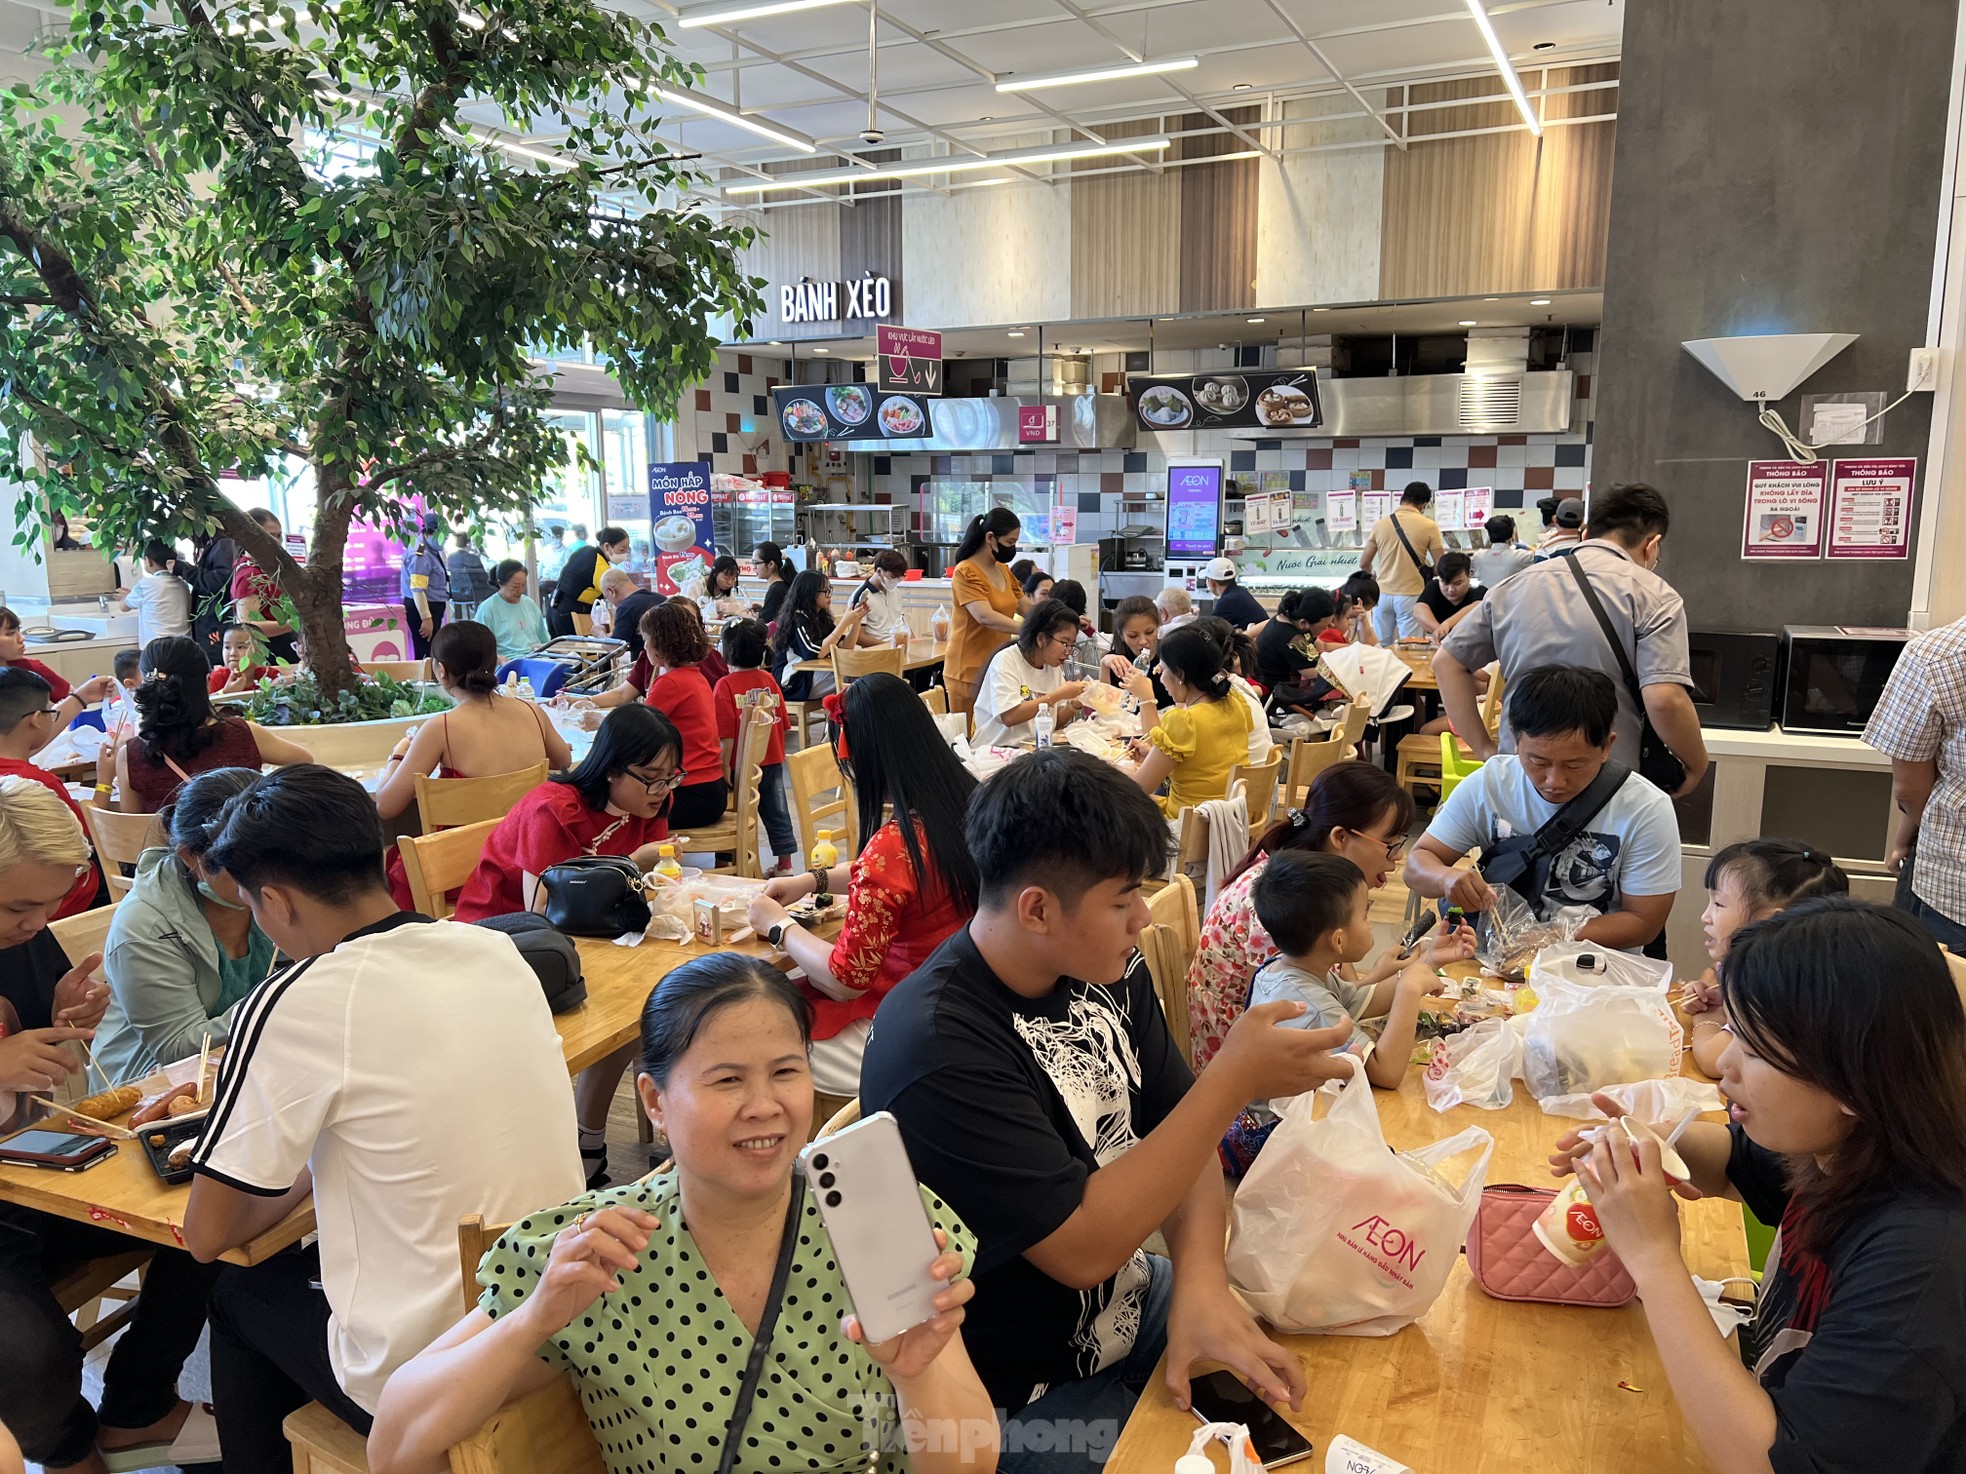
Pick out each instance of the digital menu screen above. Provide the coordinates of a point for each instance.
(1194, 511)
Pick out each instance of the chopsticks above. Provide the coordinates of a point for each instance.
(114, 1132)
(204, 1061)
(107, 1083)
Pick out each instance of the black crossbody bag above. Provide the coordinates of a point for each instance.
(1522, 861)
(1658, 764)
(754, 1369)
(1426, 568)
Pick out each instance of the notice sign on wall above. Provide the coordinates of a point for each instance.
(1784, 516)
(1480, 506)
(1450, 509)
(1341, 511)
(1374, 507)
(1870, 507)
(909, 360)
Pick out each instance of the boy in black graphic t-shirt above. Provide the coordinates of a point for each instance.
(1042, 1098)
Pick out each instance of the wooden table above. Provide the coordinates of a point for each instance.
(1421, 663)
(921, 654)
(1482, 1386)
(126, 1195)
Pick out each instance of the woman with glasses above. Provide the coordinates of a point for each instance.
(1353, 809)
(615, 801)
(1024, 677)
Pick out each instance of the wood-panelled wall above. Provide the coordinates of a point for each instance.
(1218, 218)
(1126, 237)
(1498, 212)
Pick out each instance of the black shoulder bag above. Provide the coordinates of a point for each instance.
(1426, 568)
(1657, 763)
(1522, 861)
(754, 1369)
(595, 896)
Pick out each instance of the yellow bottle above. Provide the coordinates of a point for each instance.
(825, 854)
(665, 863)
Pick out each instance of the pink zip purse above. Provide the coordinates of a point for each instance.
(1510, 1263)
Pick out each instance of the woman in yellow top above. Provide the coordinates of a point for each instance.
(1193, 746)
(985, 602)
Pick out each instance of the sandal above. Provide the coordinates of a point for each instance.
(196, 1443)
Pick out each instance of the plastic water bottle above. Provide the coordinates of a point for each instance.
(1043, 725)
(526, 692)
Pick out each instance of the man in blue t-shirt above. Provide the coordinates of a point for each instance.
(426, 585)
(1624, 863)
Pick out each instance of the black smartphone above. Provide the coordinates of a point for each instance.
(62, 1150)
(1221, 1397)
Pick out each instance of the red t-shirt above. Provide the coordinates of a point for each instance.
(683, 696)
(725, 695)
(550, 824)
(58, 689)
(643, 670)
(83, 894)
(249, 581)
(890, 929)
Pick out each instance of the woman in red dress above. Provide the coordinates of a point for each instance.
(179, 735)
(911, 885)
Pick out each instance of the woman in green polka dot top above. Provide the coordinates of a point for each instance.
(649, 1295)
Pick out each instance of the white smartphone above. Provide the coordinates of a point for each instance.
(882, 1239)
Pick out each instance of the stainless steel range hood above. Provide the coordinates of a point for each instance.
(1440, 404)
(1085, 422)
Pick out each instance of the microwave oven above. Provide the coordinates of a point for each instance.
(1833, 675)
(1735, 678)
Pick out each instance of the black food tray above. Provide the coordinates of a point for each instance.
(159, 1137)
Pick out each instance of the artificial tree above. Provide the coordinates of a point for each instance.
(185, 292)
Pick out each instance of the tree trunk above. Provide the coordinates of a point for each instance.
(324, 619)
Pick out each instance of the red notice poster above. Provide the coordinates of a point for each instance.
(1870, 508)
(1784, 517)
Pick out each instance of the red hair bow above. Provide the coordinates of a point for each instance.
(834, 705)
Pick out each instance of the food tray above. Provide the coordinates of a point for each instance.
(172, 1132)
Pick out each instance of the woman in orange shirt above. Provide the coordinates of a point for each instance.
(985, 602)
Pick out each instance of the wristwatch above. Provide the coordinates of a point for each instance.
(775, 933)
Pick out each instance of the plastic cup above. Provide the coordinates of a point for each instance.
(1568, 1227)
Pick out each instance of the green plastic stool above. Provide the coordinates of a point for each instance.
(1761, 1238)
(1453, 767)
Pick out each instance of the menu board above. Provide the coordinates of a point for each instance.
(813, 412)
(1870, 508)
(679, 518)
(1266, 400)
(1373, 508)
(1194, 510)
(1784, 516)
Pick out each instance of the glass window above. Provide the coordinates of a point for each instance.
(625, 465)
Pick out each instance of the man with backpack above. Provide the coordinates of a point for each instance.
(1401, 556)
(1558, 821)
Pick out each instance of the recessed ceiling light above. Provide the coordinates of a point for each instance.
(774, 343)
(1539, 301)
(720, 15)
(1469, 322)
(1491, 299)
(1252, 319)
(1099, 74)
(1241, 87)
(987, 118)
(1544, 46)
(1320, 309)
(1044, 154)
(1013, 333)
(822, 350)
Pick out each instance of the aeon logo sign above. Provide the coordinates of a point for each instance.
(1390, 1247)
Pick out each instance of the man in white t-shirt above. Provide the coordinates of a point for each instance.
(403, 1071)
(1026, 676)
(1625, 862)
(161, 599)
(880, 595)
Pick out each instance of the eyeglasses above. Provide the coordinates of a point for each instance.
(1394, 847)
(667, 784)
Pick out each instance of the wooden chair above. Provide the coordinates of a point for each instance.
(1259, 782)
(850, 665)
(401, 670)
(83, 933)
(583, 624)
(811, 772)
(1310, 756)
(936, 699)
(448, 803)
(737, 834)
(437, 864)
(844, 1117)
(1174, 907)
(83, 1289)
(119, 838)
(1491, 704)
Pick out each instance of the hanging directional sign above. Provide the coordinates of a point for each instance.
(909, 360)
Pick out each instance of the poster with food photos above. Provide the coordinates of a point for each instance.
(1870, 507)
(1784, 513)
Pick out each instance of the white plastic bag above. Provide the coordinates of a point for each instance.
(1661, 1103)
(1587, 965)
(1474, 1067)
(1333, 1232)
(1581, 1039)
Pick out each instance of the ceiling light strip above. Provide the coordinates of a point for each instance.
(1509, 77)
(723, 15)
(949, 165)
(1100, 74)
(724, 112)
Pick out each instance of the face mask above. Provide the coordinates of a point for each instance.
(205, 890)
(1007, 555)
